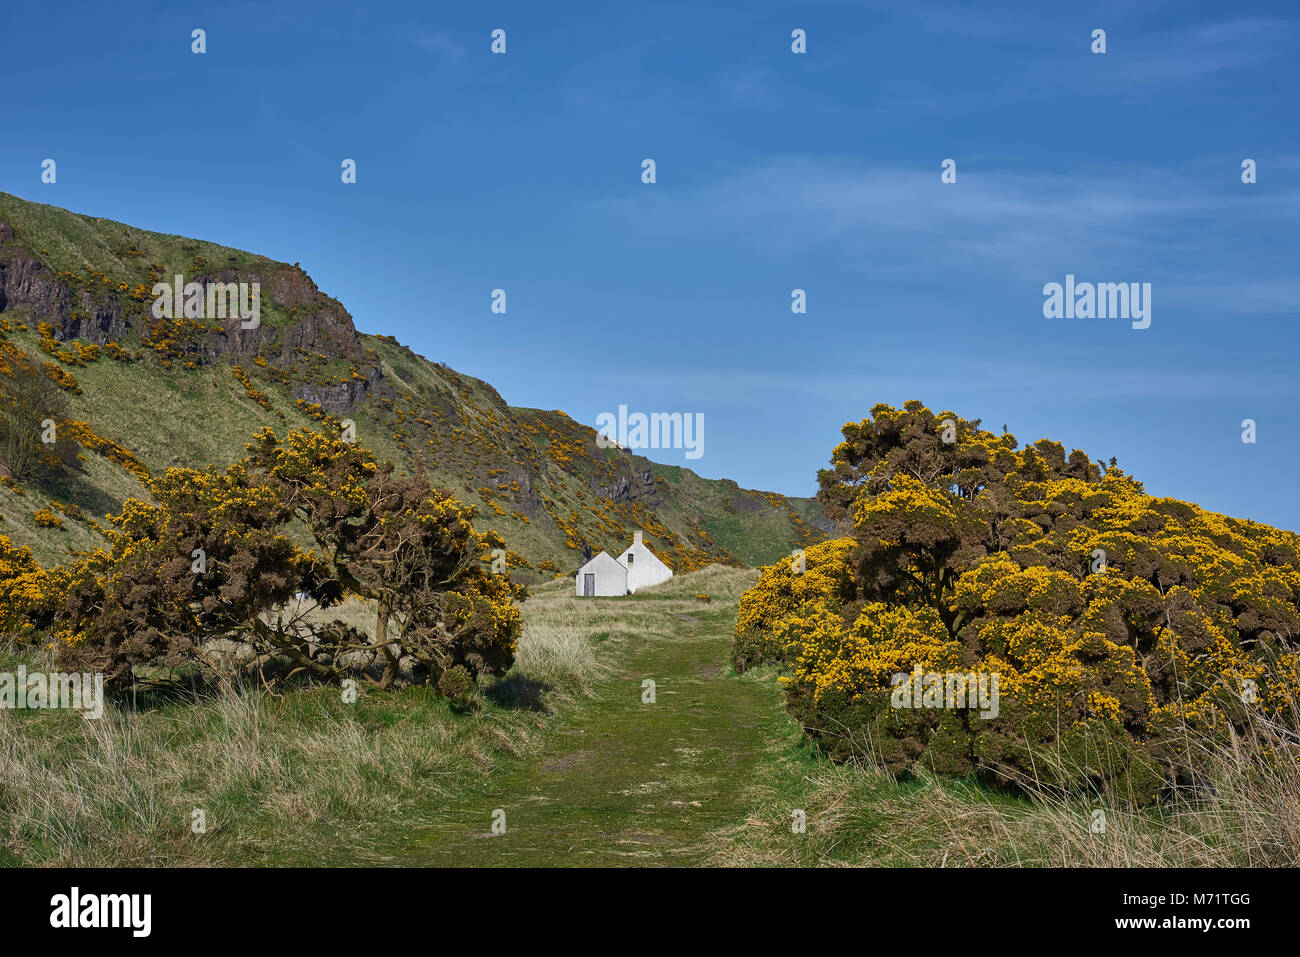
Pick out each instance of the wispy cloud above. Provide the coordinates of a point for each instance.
(1021, 226)
(1032, 52)
(449, 49)
(1143, 63)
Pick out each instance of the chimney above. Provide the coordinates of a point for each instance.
(636, 538)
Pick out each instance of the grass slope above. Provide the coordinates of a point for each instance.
(536, 476)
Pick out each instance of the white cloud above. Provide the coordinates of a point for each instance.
(443, 45)
(1123, 224)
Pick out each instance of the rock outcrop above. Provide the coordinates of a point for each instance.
(318, 326)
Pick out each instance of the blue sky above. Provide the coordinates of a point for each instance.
(775, 171)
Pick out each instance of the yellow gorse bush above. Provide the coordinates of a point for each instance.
(784, 590)
(215, 555)
(1114, 620)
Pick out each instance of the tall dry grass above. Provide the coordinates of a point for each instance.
(272, 773)
(281, 777)
(265, 770)
(1241, 810)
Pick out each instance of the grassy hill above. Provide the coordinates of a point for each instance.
(76, 295)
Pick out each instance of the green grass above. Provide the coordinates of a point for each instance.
(621, 781)
(288, 778)
(302, 777)
(166, 418)
(1245, 812)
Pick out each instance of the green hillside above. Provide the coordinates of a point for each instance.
(146, 394)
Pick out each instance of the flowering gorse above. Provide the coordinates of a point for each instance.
(1115, 620)
(257, 554)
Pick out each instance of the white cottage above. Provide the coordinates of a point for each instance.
(643, 566)
(602, 577)
(638, 567)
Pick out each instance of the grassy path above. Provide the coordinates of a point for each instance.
(621, 781)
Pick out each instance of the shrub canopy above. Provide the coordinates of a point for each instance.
(1114, 620)
(258, 553)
